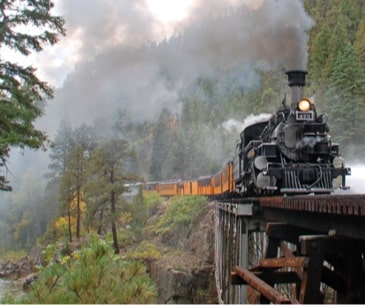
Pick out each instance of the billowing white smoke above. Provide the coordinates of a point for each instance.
(124, 62)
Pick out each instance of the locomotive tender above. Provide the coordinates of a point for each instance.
(291, 153)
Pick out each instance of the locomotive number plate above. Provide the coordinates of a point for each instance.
(305, 116)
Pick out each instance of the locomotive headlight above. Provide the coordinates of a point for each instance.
(304, 105)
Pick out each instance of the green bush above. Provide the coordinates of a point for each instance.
(152, 200)
(145, 251)
(93, 274)
(181, 211)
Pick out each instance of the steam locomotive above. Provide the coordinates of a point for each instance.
(291, 153)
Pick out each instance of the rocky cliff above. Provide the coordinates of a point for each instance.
(188, 277)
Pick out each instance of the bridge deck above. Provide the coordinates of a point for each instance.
(342, 215)
(345, 205)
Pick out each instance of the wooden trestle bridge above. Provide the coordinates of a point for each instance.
(291, 249)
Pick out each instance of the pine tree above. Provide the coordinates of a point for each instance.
(359, 43)
(82, 142)
(60, 149)
(26, 217)
(319, 60)
(160, 145)
(344, 98)
(107, 178)
(338, 41)
(21, 92)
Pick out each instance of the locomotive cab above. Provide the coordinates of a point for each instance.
(248, 149)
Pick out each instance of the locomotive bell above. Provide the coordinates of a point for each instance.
(296, 81)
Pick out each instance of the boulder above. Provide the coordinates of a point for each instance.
(15, 270)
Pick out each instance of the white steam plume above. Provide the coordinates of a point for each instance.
(125, 62)
(232, 125)
(356, 179)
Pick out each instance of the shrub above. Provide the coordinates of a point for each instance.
(152, 200)
(181, 212)
(145, 251)
(94, 274)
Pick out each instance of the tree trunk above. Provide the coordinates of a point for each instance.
(101, 219)
(78, 219)
(69, 218)
(114, 227)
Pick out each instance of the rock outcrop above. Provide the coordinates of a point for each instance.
(22, 270)
(16, 270)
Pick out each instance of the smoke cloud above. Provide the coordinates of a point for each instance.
(127, 59)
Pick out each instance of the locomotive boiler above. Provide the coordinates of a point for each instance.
(291, 153)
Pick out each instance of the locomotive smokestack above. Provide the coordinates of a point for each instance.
(296, 80)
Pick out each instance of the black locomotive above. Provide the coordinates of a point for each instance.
(291, 153)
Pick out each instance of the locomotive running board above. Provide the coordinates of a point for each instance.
(306, 191)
